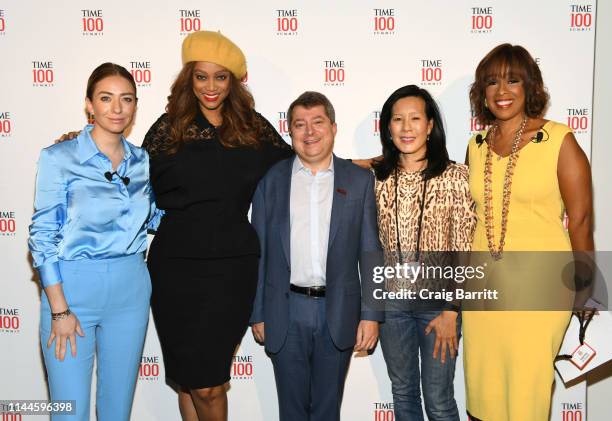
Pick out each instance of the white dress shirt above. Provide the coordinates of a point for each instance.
(309, 216)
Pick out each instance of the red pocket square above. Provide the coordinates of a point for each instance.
(341, 191)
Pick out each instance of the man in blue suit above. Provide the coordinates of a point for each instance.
(315, 215)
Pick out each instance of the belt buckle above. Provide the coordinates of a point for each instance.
(315, 292)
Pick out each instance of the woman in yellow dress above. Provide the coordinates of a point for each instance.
(524, 173)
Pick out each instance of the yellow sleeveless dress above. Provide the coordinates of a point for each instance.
(508, 355)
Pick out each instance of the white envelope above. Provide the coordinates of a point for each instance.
(598, 336)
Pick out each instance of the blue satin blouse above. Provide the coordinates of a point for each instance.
(80, 214)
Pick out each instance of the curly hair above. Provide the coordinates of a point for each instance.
(240, 126)
(506, 59)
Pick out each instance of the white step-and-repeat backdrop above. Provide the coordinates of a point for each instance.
(356, 52)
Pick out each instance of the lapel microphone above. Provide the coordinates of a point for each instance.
(479, 139)
(536, 139)
(109, 176)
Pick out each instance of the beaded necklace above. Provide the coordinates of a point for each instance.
(497, 252)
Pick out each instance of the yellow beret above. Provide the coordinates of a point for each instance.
(215, 48)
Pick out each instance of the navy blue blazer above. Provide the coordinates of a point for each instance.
(353, 250)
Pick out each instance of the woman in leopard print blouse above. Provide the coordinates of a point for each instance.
(421, 191)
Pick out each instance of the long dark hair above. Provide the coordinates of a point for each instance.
(436, 154)
(240, 126)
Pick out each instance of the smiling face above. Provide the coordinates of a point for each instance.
(312, 135)
(211, 84)
(113, 104)
(409, 126)
(505, 95)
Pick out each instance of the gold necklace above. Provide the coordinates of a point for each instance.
(497, 252)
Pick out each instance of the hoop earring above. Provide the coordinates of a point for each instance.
(485, 103)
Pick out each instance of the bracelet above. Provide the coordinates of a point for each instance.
(62, 315)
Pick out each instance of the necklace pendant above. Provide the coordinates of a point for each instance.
(499, 157)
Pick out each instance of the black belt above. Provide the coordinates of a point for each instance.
(310, 291)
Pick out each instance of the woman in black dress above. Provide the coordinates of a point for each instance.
(208, 152)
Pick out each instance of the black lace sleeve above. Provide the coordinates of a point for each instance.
(274, 141)
(156, 139)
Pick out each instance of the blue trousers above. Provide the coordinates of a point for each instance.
(309, 370)
(110, 297)
(402, 336)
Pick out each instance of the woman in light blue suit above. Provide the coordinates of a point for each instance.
(93, 206)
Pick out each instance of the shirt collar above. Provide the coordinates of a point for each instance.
(298, 166)
(88, 149)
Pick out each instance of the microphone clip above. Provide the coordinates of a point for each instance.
(539, 137)
(109, 176)
(480, 139)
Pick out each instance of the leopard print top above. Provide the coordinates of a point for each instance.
(448, 221)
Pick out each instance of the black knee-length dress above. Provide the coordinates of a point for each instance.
(204, 257)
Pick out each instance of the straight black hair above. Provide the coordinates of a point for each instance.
(436, 155)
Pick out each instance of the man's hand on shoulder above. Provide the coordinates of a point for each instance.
(67, 136)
